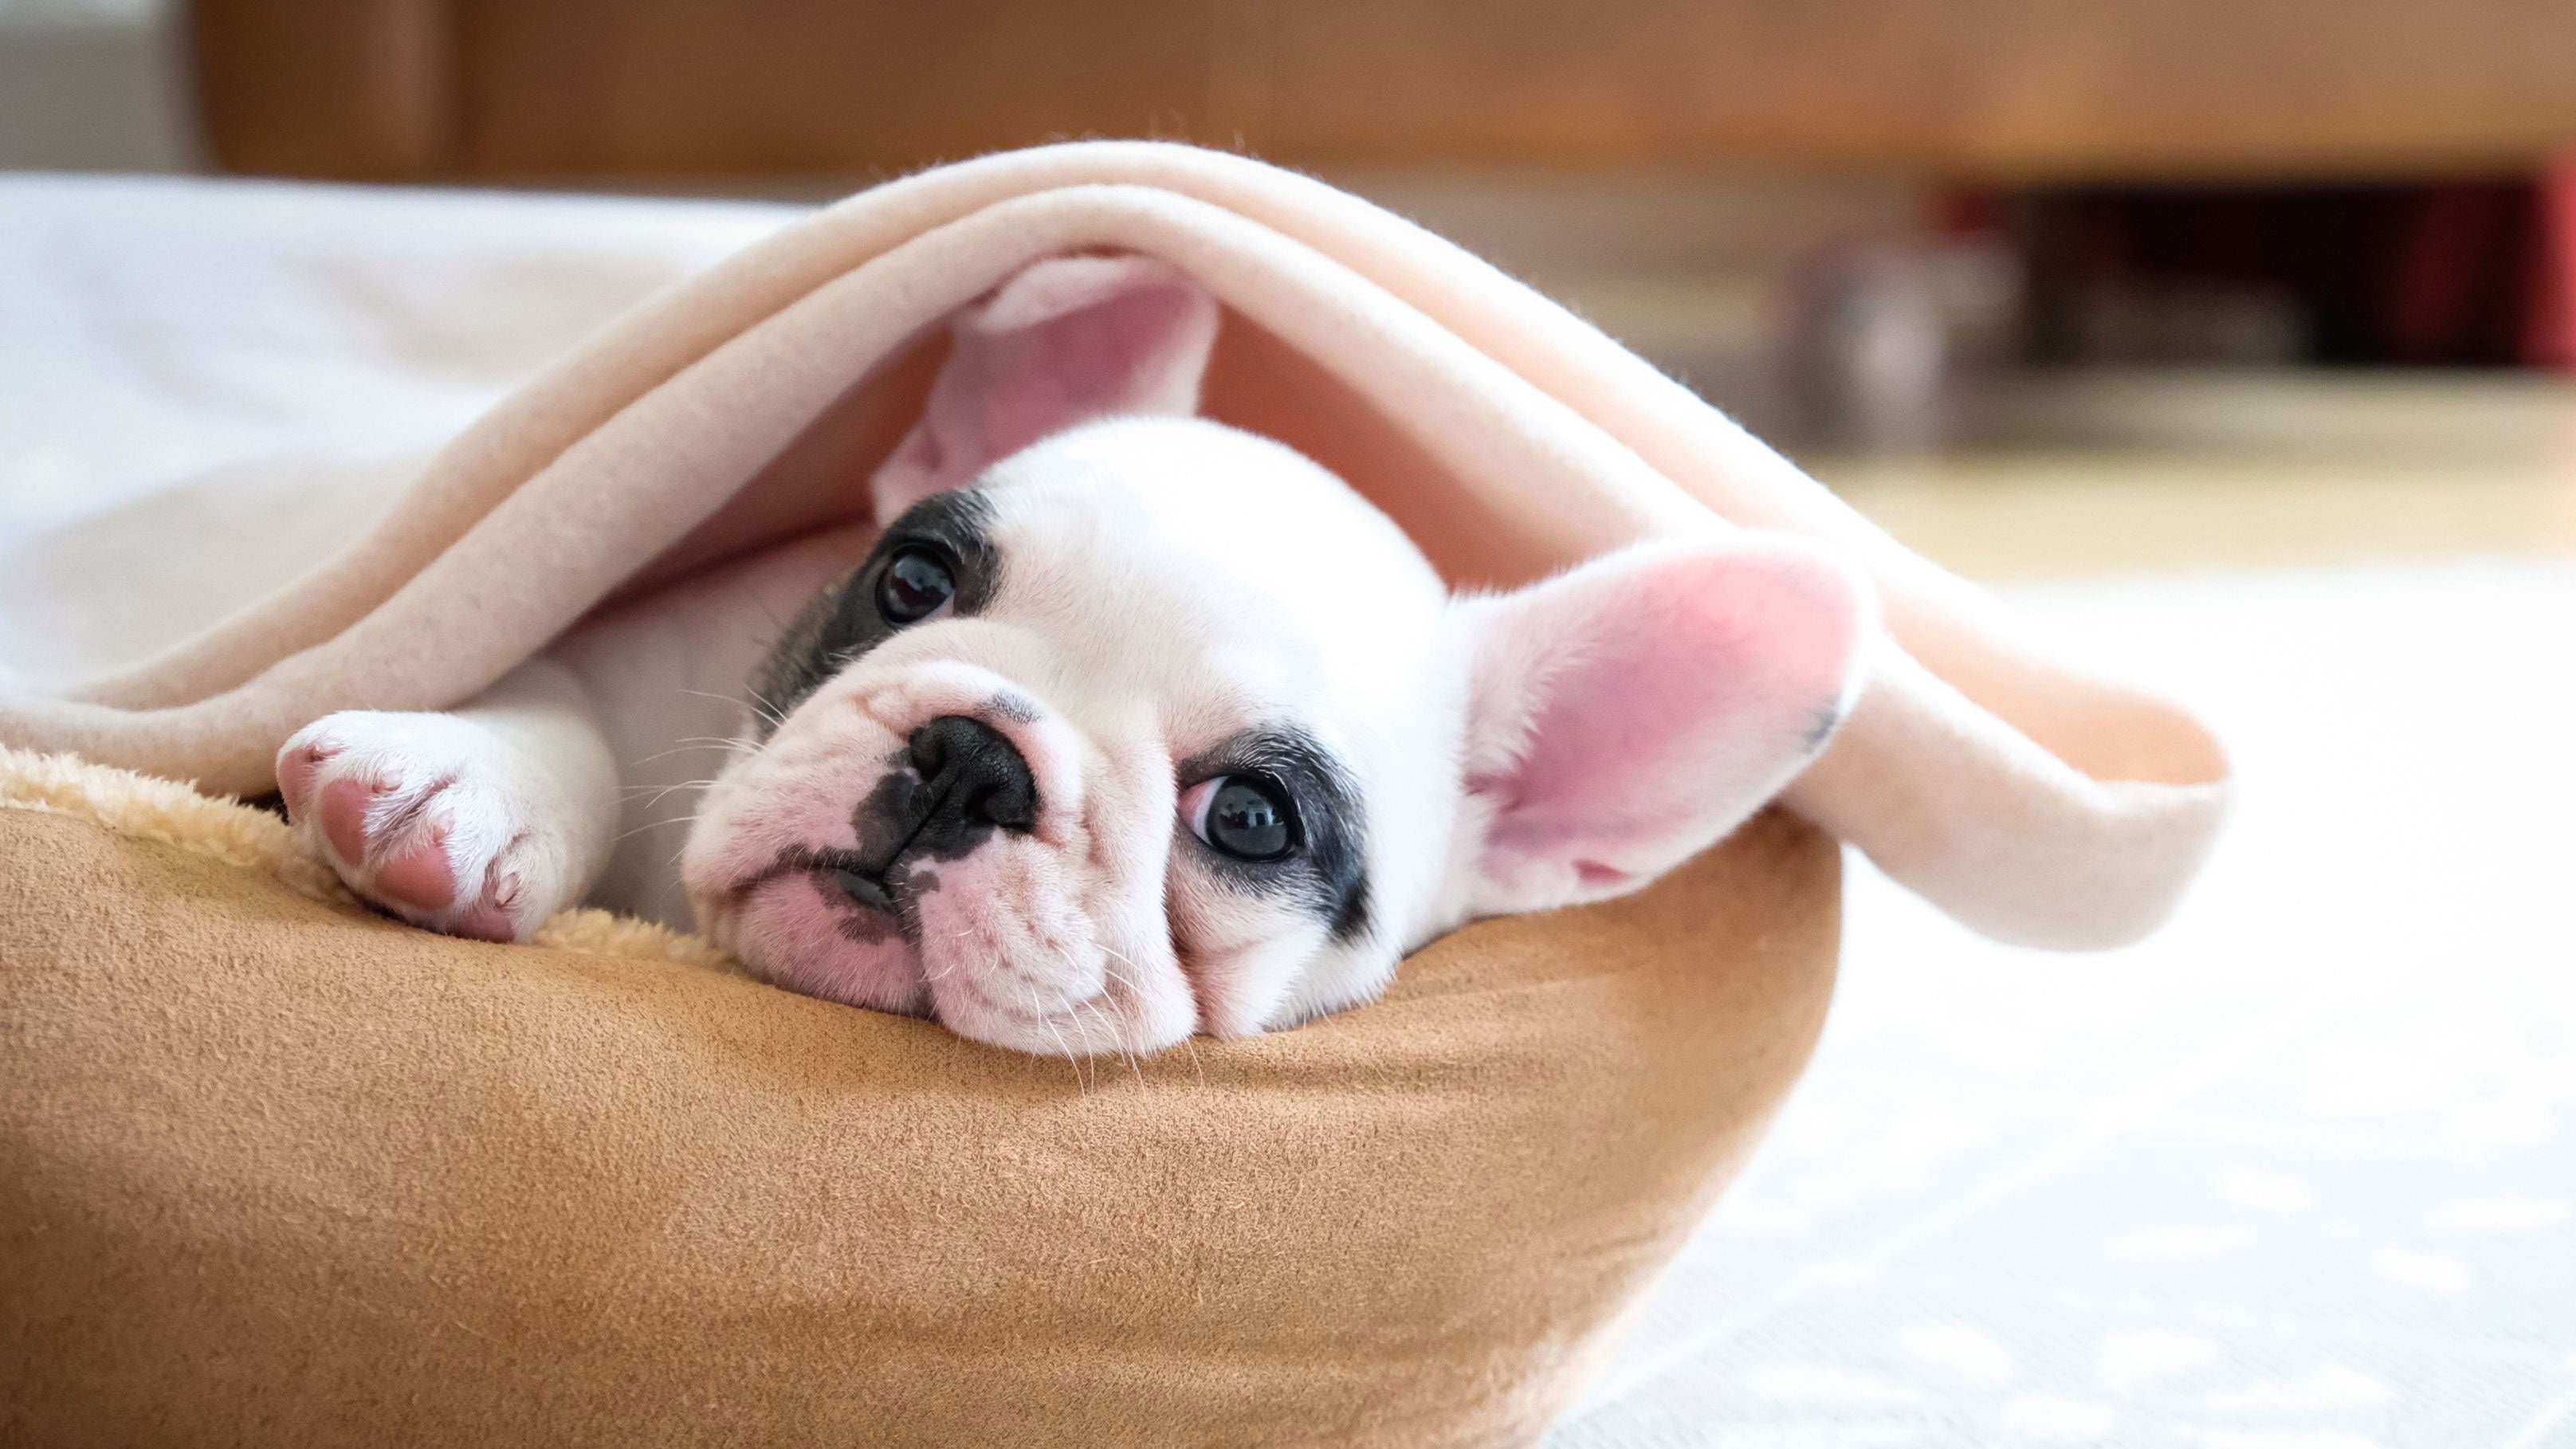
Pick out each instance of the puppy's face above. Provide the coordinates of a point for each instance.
(1153, 727)
(1084, 757)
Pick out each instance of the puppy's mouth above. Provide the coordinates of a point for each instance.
(868, 890)
(878, 894)
(929, 882)
(993, 952)
(848, 921)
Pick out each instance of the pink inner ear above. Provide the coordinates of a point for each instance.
(1630, 713)
(1065, 341)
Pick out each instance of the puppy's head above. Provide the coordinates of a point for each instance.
(1133, 725)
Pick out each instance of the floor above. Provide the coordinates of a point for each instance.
(2299, 1172)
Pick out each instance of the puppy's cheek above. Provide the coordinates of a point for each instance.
(799, 793)
(1218, 928)
(1020, 950)
(805, 794)
(791, 932)
(1005, 943)
(712, 854)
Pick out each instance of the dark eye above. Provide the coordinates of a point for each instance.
(917, 583)
(1248, 817)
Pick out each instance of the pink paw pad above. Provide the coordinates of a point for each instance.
(343, 810)
(423, 817)
(487, 921)
(420, 876)
(295, 776)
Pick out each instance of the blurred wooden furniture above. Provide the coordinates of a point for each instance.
(1993, 89)
(2131, 471)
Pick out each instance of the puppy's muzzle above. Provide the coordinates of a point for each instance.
(965, 782)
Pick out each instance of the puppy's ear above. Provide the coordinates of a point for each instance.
(1063, 342)
(1626, 715)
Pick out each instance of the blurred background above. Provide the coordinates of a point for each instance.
(1961, 258)
(2230, 339)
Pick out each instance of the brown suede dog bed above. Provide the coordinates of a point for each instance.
(282, 1172)
(276, 1171)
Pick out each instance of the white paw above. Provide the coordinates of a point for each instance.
(433, 818)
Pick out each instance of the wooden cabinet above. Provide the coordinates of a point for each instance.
(1996, 89)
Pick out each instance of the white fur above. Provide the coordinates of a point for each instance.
(1167, 584)
(509, 795)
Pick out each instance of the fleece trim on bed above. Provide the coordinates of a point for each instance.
(169, 812)
(2028, 796)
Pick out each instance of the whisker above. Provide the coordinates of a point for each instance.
(662, 793)
(767, 711)
(689, 819)
(772, 712)
(703, 742)
(1090, 1053)
(1135, 973)
(1038, 1009)
(1110, 1028)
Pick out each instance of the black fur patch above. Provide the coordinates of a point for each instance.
(822, 866)
(843, 624)
(1327, 872)
(1821, 728)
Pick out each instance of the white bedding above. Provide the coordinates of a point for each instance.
(163, 341)
(2298, 1173)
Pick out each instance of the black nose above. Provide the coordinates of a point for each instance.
(972, 779)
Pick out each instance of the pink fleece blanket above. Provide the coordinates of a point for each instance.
(2030, 797)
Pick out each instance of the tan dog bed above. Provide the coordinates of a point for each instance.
(281, 1172)
(276, 1171)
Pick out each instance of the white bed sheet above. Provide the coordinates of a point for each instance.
(264, 363)
(2299, 1173)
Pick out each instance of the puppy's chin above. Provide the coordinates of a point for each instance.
(800, 932)
(1010, 955)
(997, 947)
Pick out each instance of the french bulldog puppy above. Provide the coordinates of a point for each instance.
(1126, 726)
